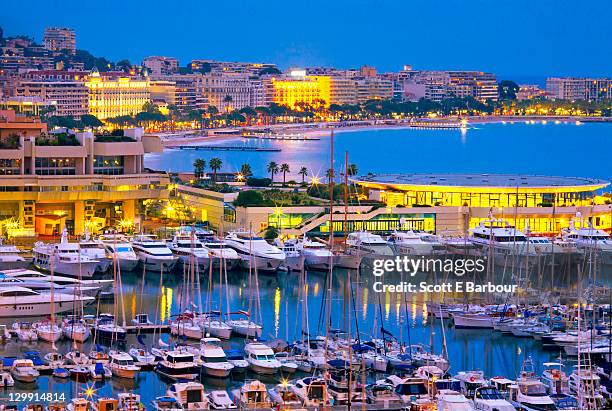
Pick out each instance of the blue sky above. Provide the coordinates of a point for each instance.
(519, 38)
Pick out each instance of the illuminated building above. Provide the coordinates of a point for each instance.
(529, 92)
(112, 95)
(572, 88)
(95, 183)
(297, 88)
(71, 98)
(437, 85)
(163, 90)
(28, 106)
(213, 66)
(59, 39)
(228, 91)
(158, 65)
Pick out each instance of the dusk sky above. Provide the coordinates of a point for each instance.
(518, 38)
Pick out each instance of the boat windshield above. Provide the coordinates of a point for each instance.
(489, 394)
(411, 389)
(263, 357)
(194, 396)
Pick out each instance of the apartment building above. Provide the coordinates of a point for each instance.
(70, 98)
(228, 91)
(573, 88)
(58, 39)
(158, 65)
(214, 66)
(437, 85)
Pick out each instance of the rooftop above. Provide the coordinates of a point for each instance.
(509, 182)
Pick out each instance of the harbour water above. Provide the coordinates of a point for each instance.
(542, 148)
(405, 316)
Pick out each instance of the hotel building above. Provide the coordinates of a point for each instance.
(71, 98)
(572, 88)
(114, 94)
(158, 65)
(59, 39)
(439, 85)
(94, 182)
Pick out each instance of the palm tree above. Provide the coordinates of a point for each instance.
(284, 168)
(245, 170)
(303, 172)
(352, 170)
(215, 165)
(199, 166)
(228, 101)
(272, 169)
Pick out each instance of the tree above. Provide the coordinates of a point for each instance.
(272, 169)
(199, 166)
(352, 170)
(228, 102)
(212, 110)
(284, 168)
(269, 70)
(124, 65)
(248, 198)
(507, 90)
(215, 165)
(271, 233)
(303, 172)
(88, 120)
(245, 170)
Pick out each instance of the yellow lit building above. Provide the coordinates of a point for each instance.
(116, 95)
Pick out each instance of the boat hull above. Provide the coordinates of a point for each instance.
(35, 309)
(85, 269)
(472, 321)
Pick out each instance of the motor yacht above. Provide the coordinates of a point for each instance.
(10, 257)
(63, 258)
(218, 250)
(154, 254)
(189, 395)
(105, 328)
(100, 371)
(284, 397)
(384, 396)
(585, 384)
(590, 239)
(449, 400)
(254, 251)
(120, 251)
(178, 364)
(190, 250)
(529, 393)
(469, 381)
(23, 370)
(220, 400)
(414, 243)
(6, 379)
(214, 361)
(252, 394)
(128, 401)
(94, 250)
(317, 256)
(143, 358)
(54, 359)
(294, 260)
(122, 364)
(236, 358)
(261, 358)
(19, 302)
(364, 242)
(312, 391)
(555, 380)
(70, 283)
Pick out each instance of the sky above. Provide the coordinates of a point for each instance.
(519, 39)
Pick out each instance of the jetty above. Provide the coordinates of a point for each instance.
(226, 148)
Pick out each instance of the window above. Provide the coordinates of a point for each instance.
(108, 165)
(47, 166)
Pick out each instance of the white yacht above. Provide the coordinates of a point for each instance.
(24, 371)
(64, 258)
(252, 394)
(17, 302)
(120, 250)
(190, 250)
(189, 395)
(214, 361)
(255, 251)
(414, 243)
(317, 256)
(364, 242)
(312, 391)
(69, 282)
(555, 379)
(25, 332)
(218, 251)
(590, 239)
(294, 260)
(154, 254)
(220, 400)
(449, 400)
(75, 329)
(585, 384)
(215, 326)
(10, 258)
(501, 238)
(94, 250)
(48, 331)
(261, 358)
(178, 364)
(529, 393)
(469, 381)
(122, 365)
(245, 326)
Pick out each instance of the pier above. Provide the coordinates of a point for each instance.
(227, 148)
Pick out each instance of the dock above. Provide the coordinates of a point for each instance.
(226, 148)
(290, 137)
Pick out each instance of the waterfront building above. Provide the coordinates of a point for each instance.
(115, 94)
(230, 91)
(94, 181)
(574, 88)
(58, 39)
(443, 204)
(297, 87)
(163, 91)
(28, 106)
(70, 97)
(373, 88)
(159, 65)
(437, 85)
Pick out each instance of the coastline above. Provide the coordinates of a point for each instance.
(177, 139)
